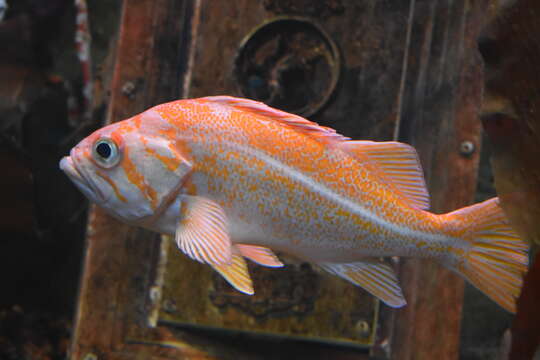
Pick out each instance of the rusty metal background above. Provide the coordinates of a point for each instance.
(295, 301)
(408, 69)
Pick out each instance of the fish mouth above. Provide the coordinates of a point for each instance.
(67, 165)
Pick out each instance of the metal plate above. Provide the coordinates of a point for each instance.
(295, 300)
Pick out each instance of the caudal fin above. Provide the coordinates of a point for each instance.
(497, 258)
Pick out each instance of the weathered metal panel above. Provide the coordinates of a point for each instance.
(168, 49)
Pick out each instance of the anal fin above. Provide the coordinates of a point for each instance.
(259, 254)
(378, 278)
(236, 273)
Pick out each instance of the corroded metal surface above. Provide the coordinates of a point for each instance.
(294, 300)
(141, 301)
(292, 291)
(371, 40)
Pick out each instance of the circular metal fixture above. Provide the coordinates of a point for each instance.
(466, 148)
(289, 63)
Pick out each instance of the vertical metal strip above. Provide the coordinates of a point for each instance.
(155, 293)
(404, 70)
(194, 28)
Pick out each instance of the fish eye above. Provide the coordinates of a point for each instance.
(105, 152)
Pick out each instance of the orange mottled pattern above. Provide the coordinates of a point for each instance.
(285, 206)
(221, 171)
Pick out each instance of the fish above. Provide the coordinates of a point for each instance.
(234, 179)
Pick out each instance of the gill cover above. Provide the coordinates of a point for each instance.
(154, 165)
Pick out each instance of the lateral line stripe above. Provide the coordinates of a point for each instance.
(341, 200)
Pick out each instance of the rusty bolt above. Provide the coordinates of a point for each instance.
(466, 148)
(384, 347)
(90, 356)
(155, 294)
(169, 306)
(128, 89)
(362, 328)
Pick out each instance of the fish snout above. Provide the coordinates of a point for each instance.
(67, 166)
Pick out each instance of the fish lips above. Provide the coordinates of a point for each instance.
(67, 165)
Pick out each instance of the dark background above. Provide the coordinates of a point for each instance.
(42, 216)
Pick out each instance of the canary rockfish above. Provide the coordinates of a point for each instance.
(232, 178)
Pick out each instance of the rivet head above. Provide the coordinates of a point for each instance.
(466, 148)
(169, 306)
(155, 294)
(128, 89)
(362, 328)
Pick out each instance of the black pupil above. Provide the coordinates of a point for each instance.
(104, 150)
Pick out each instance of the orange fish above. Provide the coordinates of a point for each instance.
(232, 178)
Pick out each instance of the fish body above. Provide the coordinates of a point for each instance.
(232, 178)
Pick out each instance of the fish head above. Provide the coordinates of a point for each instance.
(133, 169)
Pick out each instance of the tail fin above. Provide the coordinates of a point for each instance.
(497, 258)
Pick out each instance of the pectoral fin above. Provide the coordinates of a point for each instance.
(261, 255)
(202, 232)
(236, 273)
(377, 278)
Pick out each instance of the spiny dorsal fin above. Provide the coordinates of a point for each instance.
(377, 278)
(259, 254)
(298, 123)
(400, 165)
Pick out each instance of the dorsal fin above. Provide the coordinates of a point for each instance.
(298, 123)
(398, 163)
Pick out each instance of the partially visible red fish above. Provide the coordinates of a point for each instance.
(233, 178)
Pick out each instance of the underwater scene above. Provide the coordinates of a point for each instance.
(274, 179)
